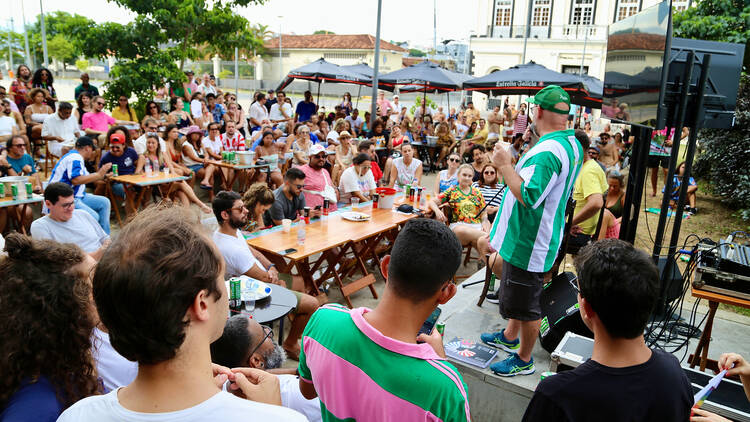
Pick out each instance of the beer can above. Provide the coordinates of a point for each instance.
(407, 190)
(491, 287)
(326, 204)
(233, 156)
(29, 190)
(412, 192)
(14, 191)
(419, 194)
(546, 374)
(115, 172)
(375, 199)
(440, 327)
(224, 156)
(2, 190)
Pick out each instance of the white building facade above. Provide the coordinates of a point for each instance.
(560, 31)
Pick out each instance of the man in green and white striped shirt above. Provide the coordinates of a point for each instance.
(529, 226)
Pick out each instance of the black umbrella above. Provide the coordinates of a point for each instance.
(524, 79)
(424, 76)
(593, 96)
(323, 71)
(362, 69)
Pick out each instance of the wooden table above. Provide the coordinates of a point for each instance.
(701, 351)
(271, 309)
(332, 237)
(134, 199)
(238, 169)
(8, 201)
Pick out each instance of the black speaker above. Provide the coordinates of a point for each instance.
(560, 313)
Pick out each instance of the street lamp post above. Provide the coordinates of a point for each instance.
(44, 35)
(374, 105)
(29, 59)
(281, 52)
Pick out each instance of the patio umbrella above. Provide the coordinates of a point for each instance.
(363, 69)
(524, 79)
(323, 71)
(424, 76)
(594, 91)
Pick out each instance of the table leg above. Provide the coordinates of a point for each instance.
(19, 221)
(701, 351)
(303, 268)
(281, 329)
(113, 200)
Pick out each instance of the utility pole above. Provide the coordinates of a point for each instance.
(526, 32)
(29, 59)
(374, 105)
(236, 71)
(10, 50)
(434, 28)
(281, 50)
(44, 35)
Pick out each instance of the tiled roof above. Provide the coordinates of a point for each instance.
(332, 41)
(635, 41)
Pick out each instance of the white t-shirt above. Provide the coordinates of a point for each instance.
(114, 370)
(461, 130)
(356, 123)
(235, 143)
(292, 398)
(81, 230)
(212, 145)
(196, 109)
(222, 406)
(65, 129)
(351, 181)
(259, 113)
(237, 255)
(7, 124)
(140, 145)
(276, 112)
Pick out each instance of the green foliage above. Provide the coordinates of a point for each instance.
(716, 20)
(725, 154)
(225, 73)
(82, 65)
(60, 48)
(152, 49)
(323, 32)
(56, 23)
(16, 46)
(413, 52)
(418, 103)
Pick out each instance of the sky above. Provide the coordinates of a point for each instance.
(402, 20)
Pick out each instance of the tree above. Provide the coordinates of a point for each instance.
(60, 48)
(413, 52)
(56, 23)
(323, 32)
(716, 20)
(82, 65)
(16, 46)
(152, 49)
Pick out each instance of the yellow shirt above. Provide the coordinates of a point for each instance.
(121, 115)
(472, 115)
(591, 180)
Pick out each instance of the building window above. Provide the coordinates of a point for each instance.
(626, 8)
(680, 5)
(540, 13)
(582, 13)
(575, 69)
(503, 12)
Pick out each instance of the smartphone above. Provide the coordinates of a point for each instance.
(287, 251)
(429, 324)
(317, 207)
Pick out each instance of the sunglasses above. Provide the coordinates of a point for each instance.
(455, 160)
(320, 156)
(489, 172)
(240, 209)
(99, 103)
(19, 145)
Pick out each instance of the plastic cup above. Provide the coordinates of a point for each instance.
(301, 236)
(355, 204)
(286, 225)
(166, 171)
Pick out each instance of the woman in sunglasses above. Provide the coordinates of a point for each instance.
(154, 111)
(487, 184)
(448, 177)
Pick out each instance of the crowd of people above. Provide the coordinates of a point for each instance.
(135, 316)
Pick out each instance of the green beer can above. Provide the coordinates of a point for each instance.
(115, 172)
(29, 190)
(2, 190)
(14, 191)
(440, 327)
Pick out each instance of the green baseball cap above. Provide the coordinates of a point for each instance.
(550, 95)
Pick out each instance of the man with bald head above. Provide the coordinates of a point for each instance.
(86, 86)
(528, 229)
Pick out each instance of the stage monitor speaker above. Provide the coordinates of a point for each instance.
(560, 312)
(670, 284)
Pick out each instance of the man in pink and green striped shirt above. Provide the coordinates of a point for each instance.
(366, 365)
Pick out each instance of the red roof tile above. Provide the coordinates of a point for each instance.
(332, 41)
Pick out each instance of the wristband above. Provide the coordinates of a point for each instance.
(271, 266)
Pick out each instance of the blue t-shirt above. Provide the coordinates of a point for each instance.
(305, 110)
(125, 163)
(19, 163)
(33, 402)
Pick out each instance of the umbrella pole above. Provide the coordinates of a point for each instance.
(318, 95)
(359, 91)
(424, 99)
(449, 103)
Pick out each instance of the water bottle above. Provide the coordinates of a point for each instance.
(149, 170)
(301, 236)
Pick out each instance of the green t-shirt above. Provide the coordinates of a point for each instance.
(529, 236)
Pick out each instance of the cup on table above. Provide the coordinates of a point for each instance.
(166, 171)
(286, 225)
(355, 203)
(301, 236)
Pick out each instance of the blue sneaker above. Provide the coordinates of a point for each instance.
(499, 341)
(512, 366)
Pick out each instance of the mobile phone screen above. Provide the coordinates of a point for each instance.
(287, 251)
(429, 324)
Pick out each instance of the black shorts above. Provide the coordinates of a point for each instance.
(520, 291)
(655, 161)
(580, 240)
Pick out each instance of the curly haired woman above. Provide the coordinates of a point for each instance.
(258, 199)
(48, 318)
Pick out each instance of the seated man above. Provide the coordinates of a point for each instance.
(281, 113)
(290, 200)
(71, 170)
(163, 306)
(241, 259)
(66, 224)
(245, 343)
(150, 126)
(368, 147)
(59, 128)
(21, 163)
(350, 351)
(124, 157)
(618, 287)
(318, 183)
(357, 181)
(96, 122)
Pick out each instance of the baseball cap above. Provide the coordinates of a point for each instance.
(550, 95)
(84, 141)
(117, 138)
(316, 149)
